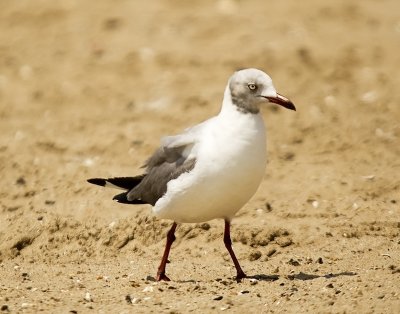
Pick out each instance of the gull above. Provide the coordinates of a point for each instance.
(210, 170)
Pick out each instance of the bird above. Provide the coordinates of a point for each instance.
(210, 170)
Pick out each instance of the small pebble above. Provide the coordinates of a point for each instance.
(20, 181)
(284, 242)
(5, 308)
(370, 177)
(25, 305)
(150, 278)
(293, 262)
(148, 289)
(255, 255)
(205, 226)
(218, 298)
(88, 297)
(253, 281)
(128, 299)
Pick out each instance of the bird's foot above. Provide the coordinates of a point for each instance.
(240, 275)
(162, 277)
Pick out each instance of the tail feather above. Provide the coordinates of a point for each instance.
(97, 181)
(125, 183)
(123, 198)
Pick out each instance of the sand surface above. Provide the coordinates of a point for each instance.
(87, 88)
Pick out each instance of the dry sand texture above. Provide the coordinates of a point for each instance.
(87, 88)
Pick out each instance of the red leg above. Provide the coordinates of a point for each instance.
(170, 239)
(228, 244)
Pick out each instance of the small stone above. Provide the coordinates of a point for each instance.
(25, 305)
(128, 299)
(370, 97)
(205, 226)
(5, 308)
(319, 260)
(111, 23)
(243, 292)
(394, 269)
(150, 278)
(259, 211)
(271, 252)
(148, 289)
(329, 285)
(253, 281)
(88, 297)
(369, 177)
(284, 242)
(254, 255)
(293, 262)
(218, 298)
(20, 181)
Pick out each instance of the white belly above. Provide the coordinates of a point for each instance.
(229, 168)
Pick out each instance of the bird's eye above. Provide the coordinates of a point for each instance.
(252, 87)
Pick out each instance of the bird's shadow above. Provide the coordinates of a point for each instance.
(263, 277)
(300, 276)
(271, 278)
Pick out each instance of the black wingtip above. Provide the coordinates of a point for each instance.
(97, 181)
(123, 198)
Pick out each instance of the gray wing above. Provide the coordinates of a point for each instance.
(168, 162)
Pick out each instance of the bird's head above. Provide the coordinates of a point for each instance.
(249, 88)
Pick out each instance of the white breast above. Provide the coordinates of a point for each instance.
(230, 164)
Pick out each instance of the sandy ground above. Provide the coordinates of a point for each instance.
(88, 88)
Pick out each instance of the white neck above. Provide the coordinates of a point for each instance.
(227, 105)
(232, 118)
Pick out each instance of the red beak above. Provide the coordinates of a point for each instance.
(282, 101)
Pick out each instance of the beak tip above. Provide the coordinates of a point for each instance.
(282, 101)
